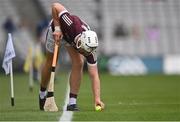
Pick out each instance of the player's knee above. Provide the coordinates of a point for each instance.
(78, 63)
(55, 4)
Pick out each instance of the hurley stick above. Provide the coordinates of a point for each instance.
(50, 104)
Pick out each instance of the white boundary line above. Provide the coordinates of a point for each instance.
(66, 115)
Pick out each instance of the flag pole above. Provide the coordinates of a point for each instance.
(7, 63)
(31, 74)
(12, 84)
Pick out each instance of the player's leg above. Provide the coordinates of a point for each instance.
(45, 76)
(75, 77)
(46, 70)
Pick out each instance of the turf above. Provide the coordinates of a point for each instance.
(137, 98)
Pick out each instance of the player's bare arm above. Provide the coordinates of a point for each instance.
(56, 9)
(93, 72)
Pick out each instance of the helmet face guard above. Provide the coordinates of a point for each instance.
(87, 42)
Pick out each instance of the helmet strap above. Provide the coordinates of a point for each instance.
(78, 43)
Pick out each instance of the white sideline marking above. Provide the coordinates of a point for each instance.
(66, 115)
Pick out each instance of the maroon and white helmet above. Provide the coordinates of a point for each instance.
(87, 42)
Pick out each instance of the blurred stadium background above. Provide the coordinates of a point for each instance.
(136, 36)
(139, 32)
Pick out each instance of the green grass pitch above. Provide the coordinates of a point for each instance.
(137, 98)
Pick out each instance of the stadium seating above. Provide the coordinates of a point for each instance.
(145, 14)
(85, 9)
(6, 9)
(22, 37)
(155, 23)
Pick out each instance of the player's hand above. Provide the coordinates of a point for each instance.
(100, 103)
(57, 36)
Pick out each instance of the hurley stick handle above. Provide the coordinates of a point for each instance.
(55, 55)
(54, 62)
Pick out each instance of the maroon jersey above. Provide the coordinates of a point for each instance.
(71, 26)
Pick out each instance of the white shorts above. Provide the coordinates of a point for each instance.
(50, 41)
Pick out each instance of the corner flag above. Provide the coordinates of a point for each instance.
(7, 63)
(9, 55)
